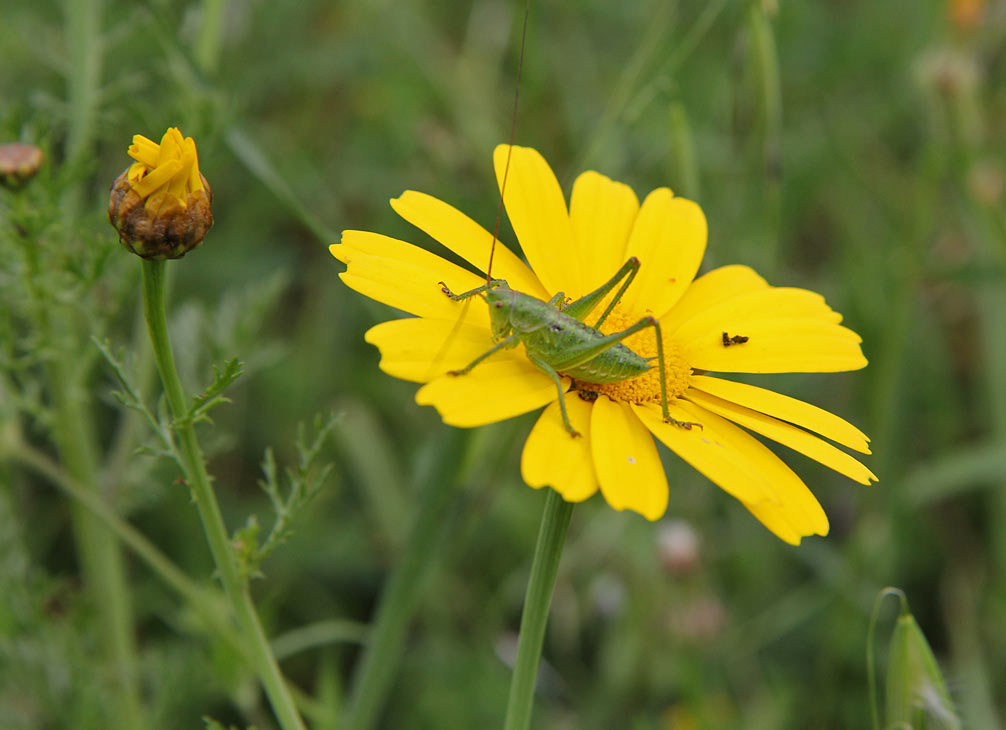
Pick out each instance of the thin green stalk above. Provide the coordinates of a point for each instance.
(766, 60)
(100, 557)
(871, 672)
(684, 166)
(209, 510)
(661, 15)
(405, 586)
(319, 634)
(207, 50)
(83, 31)
(544, 568)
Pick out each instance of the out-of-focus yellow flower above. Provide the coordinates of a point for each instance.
(161, 204)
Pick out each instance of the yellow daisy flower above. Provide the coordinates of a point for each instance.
(728, 320)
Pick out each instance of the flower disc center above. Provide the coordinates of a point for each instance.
(644, 388)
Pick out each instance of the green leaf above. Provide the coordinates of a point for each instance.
(213, 395)
(304, 481)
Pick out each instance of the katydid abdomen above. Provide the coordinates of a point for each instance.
(564, 334)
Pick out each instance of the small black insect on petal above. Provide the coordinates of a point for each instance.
(735, 340)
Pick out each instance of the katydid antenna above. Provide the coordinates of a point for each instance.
(509, 152)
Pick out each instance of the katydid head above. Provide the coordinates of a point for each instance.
(499, 297)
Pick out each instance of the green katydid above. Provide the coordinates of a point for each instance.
(559, 342)
(555, 336)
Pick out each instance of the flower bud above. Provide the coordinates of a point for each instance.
(917, 694)
(18, 163)
(160, 205)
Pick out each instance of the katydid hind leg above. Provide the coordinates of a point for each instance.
(668, 418)
(588, 353)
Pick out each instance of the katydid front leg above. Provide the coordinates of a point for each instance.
(461, 297)
(510, 341)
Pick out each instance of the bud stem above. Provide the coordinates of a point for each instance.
(209, 510)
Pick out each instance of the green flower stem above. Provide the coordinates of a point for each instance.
(404, 588)
(544, 568)
(209, 511)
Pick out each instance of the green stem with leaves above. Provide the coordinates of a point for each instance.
(544, 569)
(73, 429)
(235, 585)
(204, 602)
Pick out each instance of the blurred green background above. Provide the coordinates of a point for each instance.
(853, 148)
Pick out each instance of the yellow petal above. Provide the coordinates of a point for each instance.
(537, 212)
(601, 212)
(157, 177)
(136, 172)
(179, 180)
(776, 346)
(786, 434)
(786, 408)
(467, 239)
(195, 181)
(710, 290)
(788, 496)
(706, 452)
(737, 312)
(170, 146)
(626, 460)
(554, 458)
(420, 349)
(494, 390)
(144, 150)
(669, 239)
(776, 522)
(405, 277)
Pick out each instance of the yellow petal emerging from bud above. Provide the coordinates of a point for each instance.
(160, 205)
